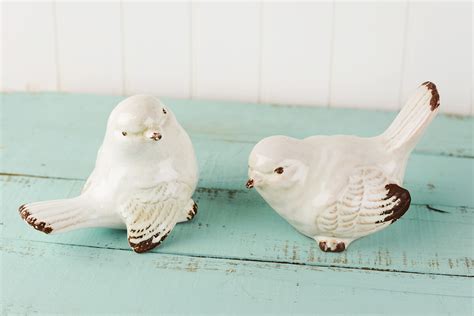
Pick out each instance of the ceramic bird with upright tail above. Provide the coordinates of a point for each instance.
(145, 175)
(336, 189)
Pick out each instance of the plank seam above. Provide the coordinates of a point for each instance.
(6, 174)
(21, 175)
(281, 262)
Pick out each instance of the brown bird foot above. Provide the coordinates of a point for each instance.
(192, 212)
(332, 246)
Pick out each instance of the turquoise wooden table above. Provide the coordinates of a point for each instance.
(237, 256)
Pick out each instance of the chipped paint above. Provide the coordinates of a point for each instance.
(296, 256)
(311, 252)
(192, 266)
(214, 193)
(268, 243)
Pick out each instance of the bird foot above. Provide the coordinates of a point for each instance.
(332, 245)
(149, 244)
(192, 212)
(189, 212)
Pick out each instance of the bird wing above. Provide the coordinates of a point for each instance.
(368, 203)
(151, 214)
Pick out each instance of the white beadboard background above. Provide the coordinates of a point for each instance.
(337, 54)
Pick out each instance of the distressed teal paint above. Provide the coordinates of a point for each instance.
(58, 135)
(62, 279)
(238, 224)
(237, 256)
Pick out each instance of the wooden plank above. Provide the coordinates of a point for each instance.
(368, 54)
(222, 142)
(438, 48)
(89, 47)
(430, 179)
(28, 47)
(52, 278)
(225, 50)
(237, 250)
(238, 224)
(230, 121)
(157, 48)
(296, 52)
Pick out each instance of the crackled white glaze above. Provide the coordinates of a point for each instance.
(336, 189)
(145, 175)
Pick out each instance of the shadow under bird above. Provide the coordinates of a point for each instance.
(336, 189)
(145, 175)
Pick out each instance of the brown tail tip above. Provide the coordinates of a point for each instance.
(33, 222)
(434, 102)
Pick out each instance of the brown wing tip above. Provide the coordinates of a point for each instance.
(434, 102)
(147, 245)
(32, 221)
(404, 198)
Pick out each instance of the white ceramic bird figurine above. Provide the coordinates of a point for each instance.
(336, 189)
(145, 175)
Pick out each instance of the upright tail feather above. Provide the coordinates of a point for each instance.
(55, 216)
(413, 119)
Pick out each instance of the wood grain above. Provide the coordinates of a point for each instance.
(66, 279)
(223, 134)
(238, 224)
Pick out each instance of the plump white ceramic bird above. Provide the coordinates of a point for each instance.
(336, 189)
(145, 175)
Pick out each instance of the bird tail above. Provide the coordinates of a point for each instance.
(56, 215)
(413, 119)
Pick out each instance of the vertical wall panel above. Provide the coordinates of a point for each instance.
(2, 44)
(29, 60)
(363, 54)
(439, 49)
(296, 52)
(226, 50)
(368, 53)
(89, 47)
(157, 48)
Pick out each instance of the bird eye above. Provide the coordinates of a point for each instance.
(124, 133)
(164, 111)
(278, 170)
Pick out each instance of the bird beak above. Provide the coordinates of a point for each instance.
(249, 184)
(255, 179)
(156, 136)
